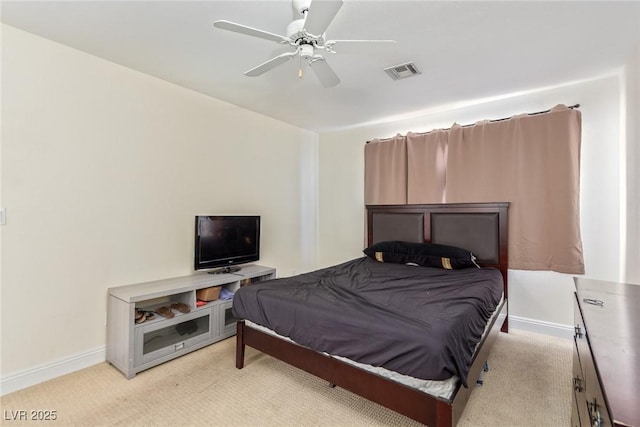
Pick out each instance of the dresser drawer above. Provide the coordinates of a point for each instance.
(575, 414)
(597, 414)
(579, 395)
(579, 338)
(579, 415)
(590, 408)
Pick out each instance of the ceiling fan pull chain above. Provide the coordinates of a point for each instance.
(300, 67)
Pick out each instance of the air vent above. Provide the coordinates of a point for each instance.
(402, 71)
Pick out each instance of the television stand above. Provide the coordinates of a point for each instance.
(133, 347)
(225, 270)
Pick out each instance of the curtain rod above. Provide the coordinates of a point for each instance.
(571, 107)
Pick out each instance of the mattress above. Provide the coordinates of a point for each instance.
(417, 321)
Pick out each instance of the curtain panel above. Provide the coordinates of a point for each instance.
(385, 171)
(531, 161)
(426, 167)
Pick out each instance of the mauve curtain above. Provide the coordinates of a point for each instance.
(385, 172)
(533, 162)
(426, 166)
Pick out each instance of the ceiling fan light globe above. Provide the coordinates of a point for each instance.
(306, 51)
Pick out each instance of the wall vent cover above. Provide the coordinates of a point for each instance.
(402, 71)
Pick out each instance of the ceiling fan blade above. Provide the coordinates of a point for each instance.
(250, 31)
(324, 73)
(320, 15)
(360, 46)
(272, 63)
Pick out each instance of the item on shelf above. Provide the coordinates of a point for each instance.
(208, 294)
(238, 243)
(187, 327)
(142, 315)
(200, 303)
(226, 294)
(165, 312)
(245, 282)
(182, 308)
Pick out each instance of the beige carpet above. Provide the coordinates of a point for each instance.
(528, 385)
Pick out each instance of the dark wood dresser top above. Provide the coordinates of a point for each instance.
(613, 332)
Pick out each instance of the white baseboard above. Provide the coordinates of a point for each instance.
(541, 327)
(52, 370)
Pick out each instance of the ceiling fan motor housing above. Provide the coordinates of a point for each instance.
(299, 36)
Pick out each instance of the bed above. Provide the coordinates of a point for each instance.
(478, 227)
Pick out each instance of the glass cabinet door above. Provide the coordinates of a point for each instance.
(227, 320)
(167, 337)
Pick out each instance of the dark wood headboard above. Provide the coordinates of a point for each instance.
(478, 227)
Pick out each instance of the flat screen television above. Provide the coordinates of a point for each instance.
(225, 241)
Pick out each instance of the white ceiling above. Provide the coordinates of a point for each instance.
(465, 50)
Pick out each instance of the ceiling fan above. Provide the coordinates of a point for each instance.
(306, 36)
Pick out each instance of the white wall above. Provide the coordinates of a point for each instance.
(103, 169)
(632, 113)
(542, 297)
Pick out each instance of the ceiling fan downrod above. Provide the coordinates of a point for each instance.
(301, 6)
